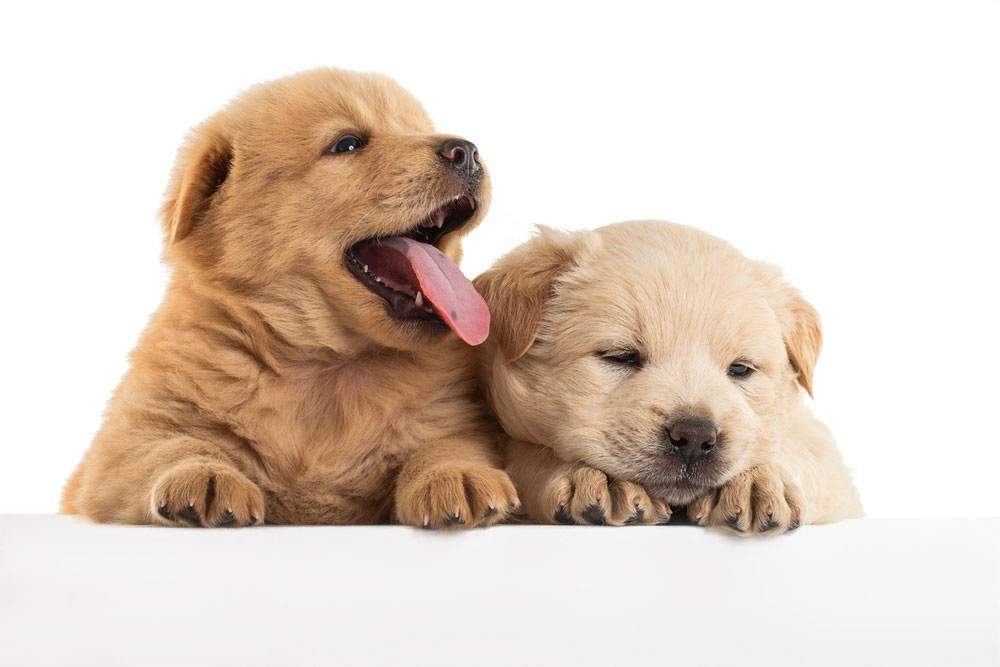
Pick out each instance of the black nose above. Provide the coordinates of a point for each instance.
(691, 438)
(462, 154)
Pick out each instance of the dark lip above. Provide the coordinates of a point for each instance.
(448, 217)
(400, 306)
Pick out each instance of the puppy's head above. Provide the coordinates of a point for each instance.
(652, 351)
(327, 201)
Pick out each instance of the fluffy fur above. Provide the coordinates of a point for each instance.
(271, 385)
(587, 436)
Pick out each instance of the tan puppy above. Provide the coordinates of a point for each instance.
(306, 363)
(659, 355)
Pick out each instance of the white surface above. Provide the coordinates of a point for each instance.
(866, 592)
(853, 142)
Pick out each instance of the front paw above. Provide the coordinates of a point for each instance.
(757, 501)
(463, 497)
(206, 494)
(584, 495)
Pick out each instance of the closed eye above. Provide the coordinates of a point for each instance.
(628, 358)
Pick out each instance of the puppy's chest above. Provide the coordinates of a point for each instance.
(351, 424)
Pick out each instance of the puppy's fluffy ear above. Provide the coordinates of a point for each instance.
(202, 167)
(517, 287)
(800, 327)
(803, 339)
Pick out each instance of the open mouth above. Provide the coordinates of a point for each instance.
(417, 280)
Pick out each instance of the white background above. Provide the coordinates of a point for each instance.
(857, 144)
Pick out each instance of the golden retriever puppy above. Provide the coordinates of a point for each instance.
(311, 360)
(647, 365)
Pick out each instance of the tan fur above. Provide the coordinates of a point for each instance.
(692, 305)
(270, 384)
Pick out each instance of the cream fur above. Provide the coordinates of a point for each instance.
(692, 305)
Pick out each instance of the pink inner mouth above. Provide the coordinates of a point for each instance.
(421, 282)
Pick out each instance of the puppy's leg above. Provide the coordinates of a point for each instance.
(178, 481)
(802, 481)
(809, 456)
(454, 484)
(556, 491)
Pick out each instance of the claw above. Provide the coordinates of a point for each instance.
(769, 524)
(637, 516)
(226, 519)
(563, 516)
(190, 514)
(595, 515)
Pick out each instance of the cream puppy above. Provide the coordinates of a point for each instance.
(647, 365)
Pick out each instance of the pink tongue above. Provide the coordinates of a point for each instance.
(451, 294)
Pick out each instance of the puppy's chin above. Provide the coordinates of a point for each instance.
(678, 483)
(677, 493)
(370, 320)
(414, 335)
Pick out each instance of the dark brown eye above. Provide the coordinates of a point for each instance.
(624, 358)
(348, 143)
(738, 369)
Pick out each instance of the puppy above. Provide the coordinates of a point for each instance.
(646, 365)
(311, 360)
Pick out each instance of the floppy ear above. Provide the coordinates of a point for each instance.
(201, 168)
(803, 339)
(518, 286)
(800, 327)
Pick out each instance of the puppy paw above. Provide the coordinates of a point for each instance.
(757, 501)
(207, 494)
(588, 496)
(457, 498)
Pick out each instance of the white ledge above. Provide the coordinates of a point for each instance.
(866, 592)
